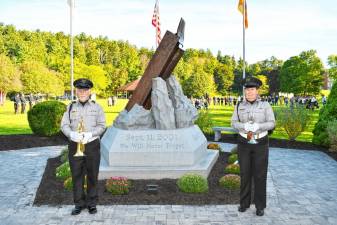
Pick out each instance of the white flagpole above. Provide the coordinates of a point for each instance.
(71, 4)
(243, 44)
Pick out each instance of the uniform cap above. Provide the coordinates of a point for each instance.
(252, 82)
(83, 83)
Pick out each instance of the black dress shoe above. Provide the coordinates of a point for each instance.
(77, 210)
(242, 209)
(92, 209)
(259, 212)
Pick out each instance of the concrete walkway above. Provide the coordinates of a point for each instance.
(302, 189)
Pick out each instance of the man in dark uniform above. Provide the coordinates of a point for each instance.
(23, 103)
(92, 115)
(30, 101)
(253, 118)
(17, 103)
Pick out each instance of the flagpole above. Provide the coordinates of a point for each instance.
(243, 44)
(71, 50)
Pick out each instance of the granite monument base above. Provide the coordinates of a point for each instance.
(155, 154)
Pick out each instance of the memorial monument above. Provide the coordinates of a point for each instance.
(155, 136)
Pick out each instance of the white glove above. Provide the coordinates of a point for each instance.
(75, 136)
(86, 137)
(255, 127)
(248, 126)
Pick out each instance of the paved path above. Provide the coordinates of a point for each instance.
(302, 189)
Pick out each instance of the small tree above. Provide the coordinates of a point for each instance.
(9, 77)
(293, 120)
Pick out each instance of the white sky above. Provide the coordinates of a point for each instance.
(280, 28)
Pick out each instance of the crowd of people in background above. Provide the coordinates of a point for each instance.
(112, 100)
(309, 102)
(204, 102)
(20, 102)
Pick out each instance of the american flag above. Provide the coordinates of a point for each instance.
(156, 22)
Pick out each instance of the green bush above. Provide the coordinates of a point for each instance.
(232, 158)
(193, 183)
(232, 169)
(327, 114)
(293, 120)
(118, 185)
(64, 155)
(230, 181)
(204, 121)
(45, 117)
(63, 171)
(332, 132)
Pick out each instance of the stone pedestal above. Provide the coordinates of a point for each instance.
(155, 154)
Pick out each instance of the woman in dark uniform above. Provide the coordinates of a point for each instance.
(253, 119)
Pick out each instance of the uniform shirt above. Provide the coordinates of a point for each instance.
(262, 113)
(93, 118)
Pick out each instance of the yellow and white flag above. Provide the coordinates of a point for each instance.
(243, 11)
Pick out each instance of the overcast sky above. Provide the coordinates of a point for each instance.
(282, 28)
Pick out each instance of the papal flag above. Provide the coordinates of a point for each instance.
(243, 11)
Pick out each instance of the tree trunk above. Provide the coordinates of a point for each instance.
(2, 97)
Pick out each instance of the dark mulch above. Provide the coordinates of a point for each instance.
(51, 191)
(280, 143)
(20, 141)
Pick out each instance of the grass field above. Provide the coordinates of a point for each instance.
(221, 115)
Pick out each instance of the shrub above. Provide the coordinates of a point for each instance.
(63, 171)
(68, 183)
(230, 181)
(232, 158)
(327, 114)
(205, 122)
(213, 146)
(332, 132)
(64, 155)
(232, 169)
(45, 117)
(293, 120)
(193, 183)
(118, 185)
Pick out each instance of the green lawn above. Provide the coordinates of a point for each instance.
(11, 123)
(221, 115)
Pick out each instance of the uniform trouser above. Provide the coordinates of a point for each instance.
(253, 161)
(16, 108)
(81, 166)
(23, 108)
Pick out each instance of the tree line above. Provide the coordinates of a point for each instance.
(39, 62)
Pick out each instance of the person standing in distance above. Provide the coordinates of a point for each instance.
(93, 117)
(253, 119)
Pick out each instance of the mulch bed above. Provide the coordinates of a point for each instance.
(21, 141)
(51, 191)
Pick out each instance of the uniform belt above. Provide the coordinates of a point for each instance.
(256, 136)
